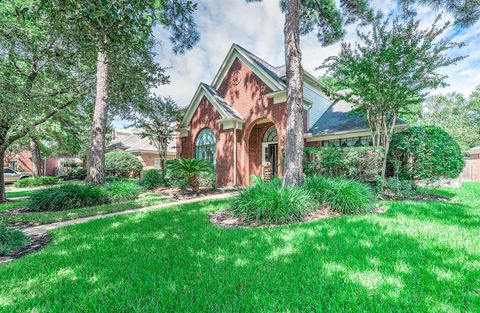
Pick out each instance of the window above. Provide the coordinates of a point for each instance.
(270, 135)
(363, 141)
(205, 146)
(8, 171)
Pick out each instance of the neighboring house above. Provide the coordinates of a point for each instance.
(471, 172)
(238, 121)
(50, 166)
(129, 140)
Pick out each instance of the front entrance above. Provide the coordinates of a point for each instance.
(263, 151)
(270, 153)
(270, 160)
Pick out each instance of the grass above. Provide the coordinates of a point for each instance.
(416, 257)
(12, 205)
(21, 193)
(11, 239)
(57, 216)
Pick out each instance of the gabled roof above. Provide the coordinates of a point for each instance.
(275, 72)
(265, 71)
(221, 105)
(226, 107)
(340, 118)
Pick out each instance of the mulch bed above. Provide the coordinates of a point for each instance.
(227, 220)
(186, 194)
(36, 243)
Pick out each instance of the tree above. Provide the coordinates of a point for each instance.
(389, 71)
(120, 34)
(41, 72)
(456, 115)
(158, 123)
(301, 18)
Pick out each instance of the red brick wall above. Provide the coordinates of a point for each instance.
(313, 143)
(248, 98)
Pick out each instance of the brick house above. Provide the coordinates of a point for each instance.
(129, 140)
(238, 121)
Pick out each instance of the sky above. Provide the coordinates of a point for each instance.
(258, 27)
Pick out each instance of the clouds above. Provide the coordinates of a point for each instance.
(259, 28)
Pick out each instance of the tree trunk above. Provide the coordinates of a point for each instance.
(2, 178)
(163, 144)
(293, 175)
(99, 126)
(36, 158)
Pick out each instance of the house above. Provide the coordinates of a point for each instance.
(238, 121)
(130, 140)
(471, 172)
(50, 166)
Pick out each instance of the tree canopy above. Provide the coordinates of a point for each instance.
(390, 71)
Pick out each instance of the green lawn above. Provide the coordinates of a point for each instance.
(50, 217)
(21, 193)
(12, 205)
(416, 257)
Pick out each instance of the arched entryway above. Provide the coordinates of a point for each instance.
(263, 152)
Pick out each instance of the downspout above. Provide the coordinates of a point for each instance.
(235, 154)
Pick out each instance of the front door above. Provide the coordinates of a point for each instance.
(270, 157)
(273, 157)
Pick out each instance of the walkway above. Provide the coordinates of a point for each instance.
(43, 229)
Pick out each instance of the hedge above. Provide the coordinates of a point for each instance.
(37, 181)
(359, 163)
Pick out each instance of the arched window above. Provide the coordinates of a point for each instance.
(270, 135)
(205, 146)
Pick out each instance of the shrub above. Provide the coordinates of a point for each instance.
(359, 163)
(208, 179)
(68, 196)
(37, 181)
(122, 191)
(272, 203)
(11, 239)
(341, 195)
(152, 179)
(425, 153)
(122, 164)
(394, 187)
(76, 173)
(189, 169)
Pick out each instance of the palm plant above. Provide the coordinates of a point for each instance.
(191, 169)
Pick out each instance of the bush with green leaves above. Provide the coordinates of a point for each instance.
(79, 173)
(11, 239)
(272, 203)
(37, 181)
(68, 196)
(393, 187)
(359, 163)
(122, 190)
(425, 153)
(341, 195)
(71, 196)
(189, 169)
(152, 179)
(122, 164)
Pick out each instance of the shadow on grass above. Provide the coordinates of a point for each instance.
(176, 260)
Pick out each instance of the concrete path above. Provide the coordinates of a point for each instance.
(43, 229)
